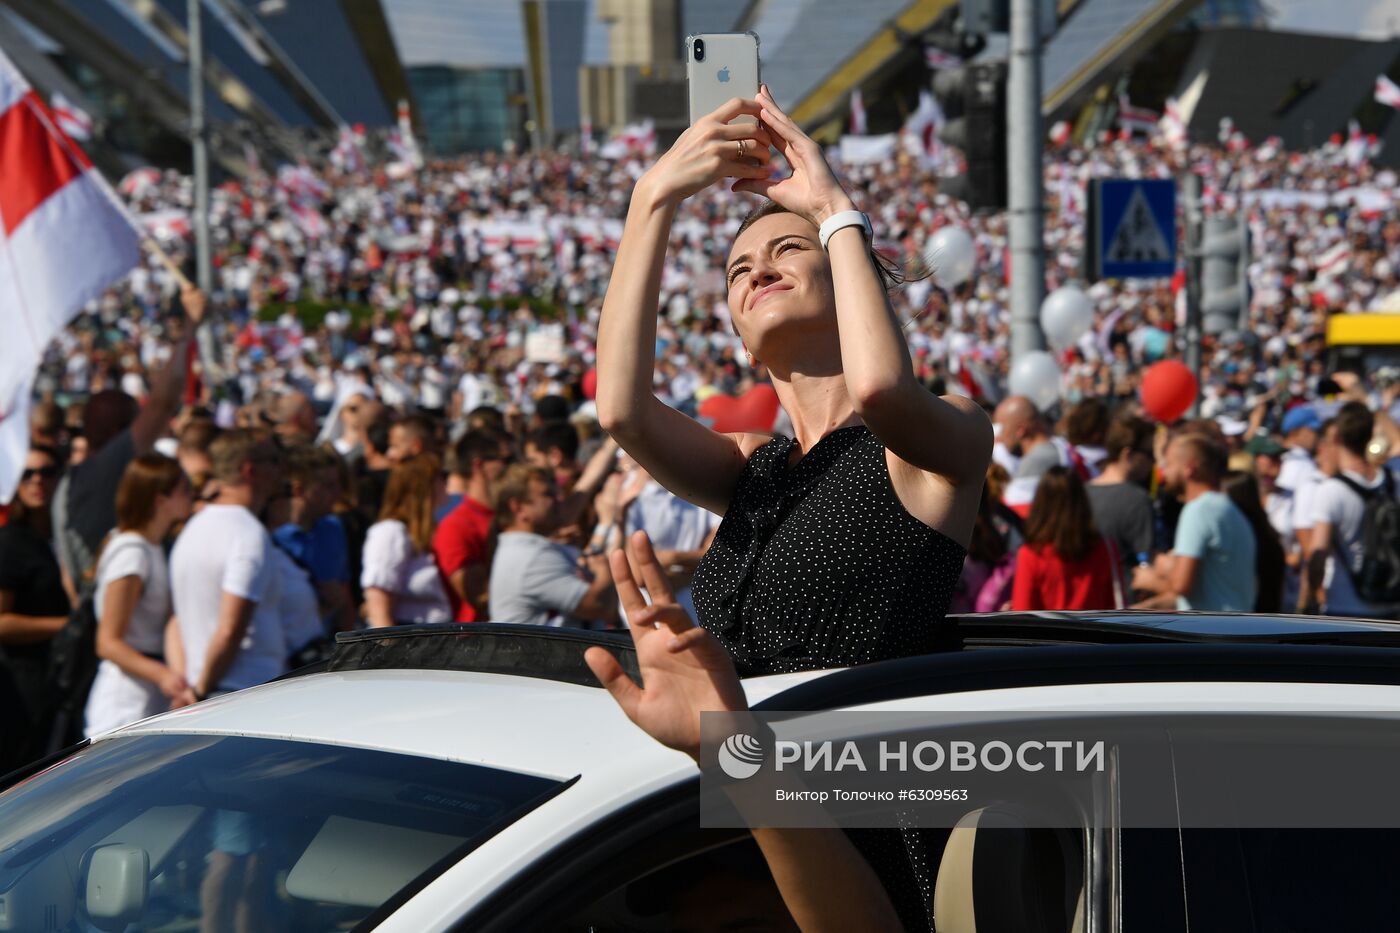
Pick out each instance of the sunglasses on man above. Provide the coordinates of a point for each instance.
(48, 472)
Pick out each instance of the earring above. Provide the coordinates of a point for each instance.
(753, 364)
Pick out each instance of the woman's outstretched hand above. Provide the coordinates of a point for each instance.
(685, 669)
(812, 190)
(711, 149)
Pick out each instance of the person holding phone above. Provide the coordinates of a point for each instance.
(844, 544)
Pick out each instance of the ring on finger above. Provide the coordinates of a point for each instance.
(740, 143)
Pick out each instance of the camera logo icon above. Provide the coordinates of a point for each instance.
(740, 756)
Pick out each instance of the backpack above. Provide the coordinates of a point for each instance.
(72, 669)
(1377, 580)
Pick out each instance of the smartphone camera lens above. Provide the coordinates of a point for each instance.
(699, 50)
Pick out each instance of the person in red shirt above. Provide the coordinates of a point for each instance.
(461, 544)
(1065, 563)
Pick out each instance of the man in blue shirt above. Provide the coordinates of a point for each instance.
(314, 538)
(1211, 564)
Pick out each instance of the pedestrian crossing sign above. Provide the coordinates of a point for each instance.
(1132, 231)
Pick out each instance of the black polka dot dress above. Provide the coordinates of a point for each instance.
(819, 565)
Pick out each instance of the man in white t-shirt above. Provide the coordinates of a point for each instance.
(222, 579)
(1338, 517)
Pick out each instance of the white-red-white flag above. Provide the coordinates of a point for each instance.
(857, 113)
(348, 154)
(920, 131)
(1136, 119)
(1387, 92)
(74, 120)
(63, 239)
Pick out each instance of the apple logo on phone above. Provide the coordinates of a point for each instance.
(723, 76)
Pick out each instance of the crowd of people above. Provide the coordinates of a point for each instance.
(391, 420)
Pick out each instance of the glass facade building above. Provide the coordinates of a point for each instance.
(469, 109)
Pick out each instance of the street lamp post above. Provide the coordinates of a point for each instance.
(199, 147)
(1025, 186)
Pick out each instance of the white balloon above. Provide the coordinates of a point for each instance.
(1036, 375)
(951, 255)
(1066, 314)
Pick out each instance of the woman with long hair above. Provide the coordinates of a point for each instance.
(988, 571)
(136, 677)
(843, 544)
(33, 604)
(1269, 561)
(1065, 562)
(399, 575)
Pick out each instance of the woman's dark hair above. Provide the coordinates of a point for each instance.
(19, 512)
(987, 545)
(1087, 423)
(1243, 490)
(892, 274)
(1061, 517)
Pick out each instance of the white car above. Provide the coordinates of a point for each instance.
(463, 778)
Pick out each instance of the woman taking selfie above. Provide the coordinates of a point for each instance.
(132, 600)
(841, 545)
(844, 544)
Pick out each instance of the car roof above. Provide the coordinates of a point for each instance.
(469, 693)
(465, 716)
(1115, 626)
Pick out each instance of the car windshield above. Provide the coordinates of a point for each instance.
(198, 832)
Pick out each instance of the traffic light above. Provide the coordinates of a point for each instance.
(973, 98)
(1225, 254)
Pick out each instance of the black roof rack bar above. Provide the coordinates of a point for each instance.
(482, 647)
(1002, 668)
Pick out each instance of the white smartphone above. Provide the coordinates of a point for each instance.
(720, 66)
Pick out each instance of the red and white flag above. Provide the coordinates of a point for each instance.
(138, 181)
(857, 113)
(348, 154)
(1138, 119)
(937, 59)
(921, 131)
(1387, 92)
(74, 120)
(63, 239)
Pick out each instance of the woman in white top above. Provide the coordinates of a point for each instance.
(398, 573)
(140, 673)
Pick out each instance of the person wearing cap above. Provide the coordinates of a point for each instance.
(1268, 461)
(1300, 429)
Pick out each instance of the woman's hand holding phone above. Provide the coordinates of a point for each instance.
(812, 190)
(711, 149)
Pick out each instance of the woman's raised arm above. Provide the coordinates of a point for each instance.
(687, 458)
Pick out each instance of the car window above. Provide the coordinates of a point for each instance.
(188, 832)
(1281, 880)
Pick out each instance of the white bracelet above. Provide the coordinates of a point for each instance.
(845, 219)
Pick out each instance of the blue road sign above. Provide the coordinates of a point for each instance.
(1135, 228)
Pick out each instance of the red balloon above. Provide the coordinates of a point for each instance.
(755, 410)
(590, 383)
(1168, 389)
